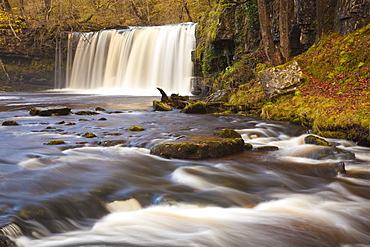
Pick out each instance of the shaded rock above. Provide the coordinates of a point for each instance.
(53, 111)
(10, 123)
(199, 147)
(280, 81)
(136, 128)
(315, 140)
(55, 142)
(197, 107)
(228, 133)
(102, 119)
(86, 113)
(161, 106)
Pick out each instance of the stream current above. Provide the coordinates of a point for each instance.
(109, 191)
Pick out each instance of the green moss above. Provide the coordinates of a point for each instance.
(136, 128)
(196, 107)
(337, 58)
(323, 115)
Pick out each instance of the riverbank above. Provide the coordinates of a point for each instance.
(334, 96)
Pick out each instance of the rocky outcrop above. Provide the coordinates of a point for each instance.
(280, 81)
(351, 15)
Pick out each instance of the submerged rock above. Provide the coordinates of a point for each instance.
(52, 111)
(199, 147)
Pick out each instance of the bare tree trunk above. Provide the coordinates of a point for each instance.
(5, 70)
(273, 53)
(320, 18)
(284, 15)
(185, 6)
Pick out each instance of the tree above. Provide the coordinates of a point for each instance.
(272, 51)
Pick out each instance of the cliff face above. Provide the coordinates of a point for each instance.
(232, 29)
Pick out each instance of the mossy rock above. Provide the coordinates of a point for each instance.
(86, 113)
(55, 142)
(315, 140)
(197, 107)
(228, 133)
(52, 111)
(136, 128)
(99, 109)
(161, 106)
(10, 123)
(89, 135)
(199, 147)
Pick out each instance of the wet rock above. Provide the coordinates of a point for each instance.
(6, 242)
(267, 148)
(280, 81)
(199, 147)
(228, 133)
(248, 146)
(52, 111)
(9, 123)
(315, 140)
(324, 153)
(55, 142)
(196, 107)
(161, 106)
(136, 128)
(85, 113)
(110, 143)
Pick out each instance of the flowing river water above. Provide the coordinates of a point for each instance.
(109, 191)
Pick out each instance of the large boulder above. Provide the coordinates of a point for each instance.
(199, 147)
(281, 80)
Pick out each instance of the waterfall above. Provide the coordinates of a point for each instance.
(134, 59)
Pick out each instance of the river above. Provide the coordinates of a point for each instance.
(109, 191)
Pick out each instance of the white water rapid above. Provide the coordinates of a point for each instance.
(134, 60)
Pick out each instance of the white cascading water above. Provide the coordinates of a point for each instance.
(135, 59)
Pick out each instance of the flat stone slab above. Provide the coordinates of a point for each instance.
(199, 147)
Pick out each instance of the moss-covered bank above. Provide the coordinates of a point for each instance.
(335, 98)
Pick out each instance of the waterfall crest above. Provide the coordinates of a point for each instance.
(134, 59)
